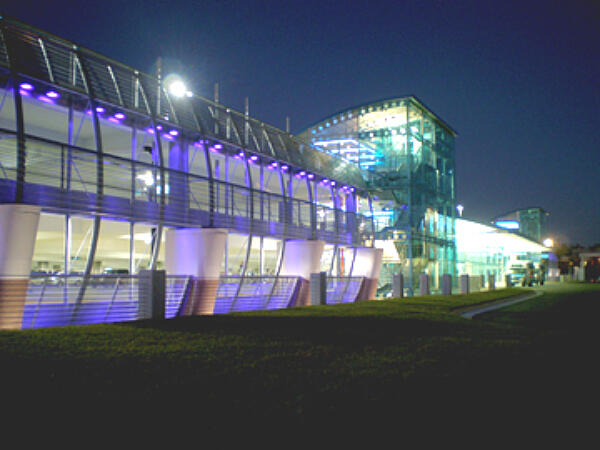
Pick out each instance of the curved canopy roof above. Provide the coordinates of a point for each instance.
(39, 55)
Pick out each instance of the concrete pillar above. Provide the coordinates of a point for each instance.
(318, 288)
(18, 230)
(446, 284)
(464, 284)
(300, 259)
(151, 294)
(198, 253)
(367, 264)
(507, 281)
(398, 285)
(491, 282)
(424, 284)
(482, 282)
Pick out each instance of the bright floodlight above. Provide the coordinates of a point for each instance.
(548, 242)
(175, 85)
(460, 209)
(177, 88)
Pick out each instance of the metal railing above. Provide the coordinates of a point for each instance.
(236, 293)
(64, 178)
(52, 300)
(343, 289)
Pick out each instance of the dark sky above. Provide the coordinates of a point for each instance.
(519, 81)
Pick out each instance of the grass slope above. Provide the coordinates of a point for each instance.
(312, 363)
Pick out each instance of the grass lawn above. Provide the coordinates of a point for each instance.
(371, 359)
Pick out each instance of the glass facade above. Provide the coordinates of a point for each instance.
(406, 154)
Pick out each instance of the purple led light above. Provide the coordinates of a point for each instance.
(24, 92)
(212, 149)
(284, 167)
(52, 94)
(274, 164)
(241, 154)
(26, 86)
(113, 120)
(173, 132)
(325, 181)
(332, 183)
(218, 146)
(100, 109)
(310, 176)
(150, 130)
(159, 127)
(119, 116)
(168, 137)
(254, 158)
(302, 173)
(352, 189)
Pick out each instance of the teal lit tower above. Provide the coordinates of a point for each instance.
(406, 154)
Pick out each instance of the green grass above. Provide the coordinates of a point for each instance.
(298, 364)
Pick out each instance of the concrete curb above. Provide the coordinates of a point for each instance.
(499, 304)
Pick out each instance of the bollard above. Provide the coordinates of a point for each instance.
(398, 285)
(482, 282)
(151, 294)
(318, 288)
(508, 281)
(491, 282)
(464, 284)
(424, 284)
(446, 284)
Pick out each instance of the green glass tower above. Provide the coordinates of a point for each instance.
(406, 154)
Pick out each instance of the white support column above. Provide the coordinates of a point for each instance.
(300, 259)
(198, 253)
(367, 264)
(18, 230)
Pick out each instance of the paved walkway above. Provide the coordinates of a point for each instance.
(500, 304)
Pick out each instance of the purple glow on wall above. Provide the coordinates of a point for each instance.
(212, 149)
(113, 120)
(26, 86)
(24, 92)
(45, 99)
(52, 94)
(168, 137)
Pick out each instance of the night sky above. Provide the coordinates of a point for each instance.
(518, 81)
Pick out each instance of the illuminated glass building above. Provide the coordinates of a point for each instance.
(103, 171)
(406, 154)
(529, 222)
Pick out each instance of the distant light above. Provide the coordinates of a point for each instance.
(352, 189)
(241, 154)
(302, 173)
(460, 209)
(325, 181)
(548, 242)
(173, 132)
(189, 94)
(507, 224)
(100, 109)
(52, 94)
(218, 146)
(310, 176)
(332, 183)
(26, 86)
(119, 116)
(254, 158)
(274, 164)
(284, 167)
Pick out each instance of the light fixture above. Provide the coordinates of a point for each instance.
(52, 94)
(26, 86)
(175, 85)
(119, 116)
(548, 242)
